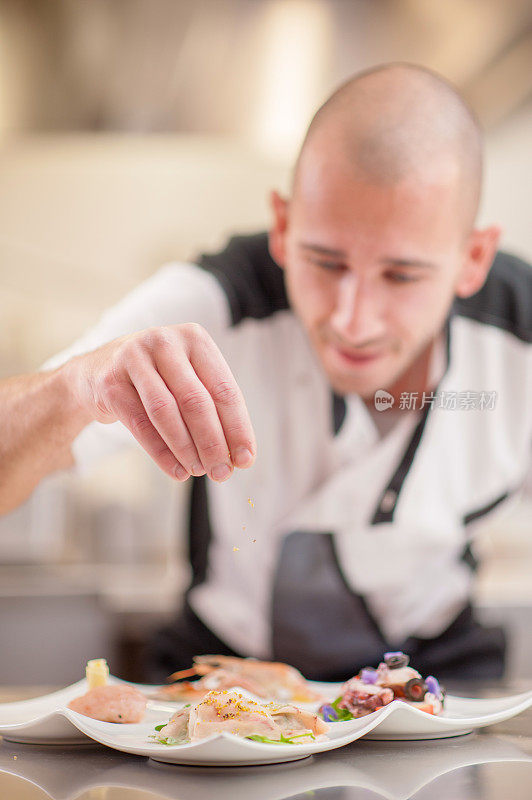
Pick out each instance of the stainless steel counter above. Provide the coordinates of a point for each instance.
(481, 766)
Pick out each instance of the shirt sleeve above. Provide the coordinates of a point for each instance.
(175, 294)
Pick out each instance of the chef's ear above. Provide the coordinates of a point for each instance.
(277, 236)
(479, 254)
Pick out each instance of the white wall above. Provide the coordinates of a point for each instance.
(508, 185)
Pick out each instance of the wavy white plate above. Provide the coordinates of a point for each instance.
(398, 720)
(40, 720)
(219, 750)
(47, 720)
(36, 721)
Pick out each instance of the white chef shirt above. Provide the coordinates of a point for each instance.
(401, 508)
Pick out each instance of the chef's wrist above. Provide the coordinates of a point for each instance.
(65, 383)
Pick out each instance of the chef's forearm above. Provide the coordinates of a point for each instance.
(169, 386)
(40, 418)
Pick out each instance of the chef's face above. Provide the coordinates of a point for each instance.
(371, 269)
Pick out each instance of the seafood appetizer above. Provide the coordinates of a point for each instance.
(230, 712)
(111, 704)
(108, 703)
(373, 688)
(265, 679)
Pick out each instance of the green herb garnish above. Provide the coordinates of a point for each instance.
(169, 740)
(160, 727)
(282, 740)
(343, 714)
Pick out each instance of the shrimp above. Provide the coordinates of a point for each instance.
(265, 679)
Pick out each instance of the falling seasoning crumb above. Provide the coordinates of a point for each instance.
(15, 757)
(243, 527)
(250, 501)
(253, 541)
(236, 549)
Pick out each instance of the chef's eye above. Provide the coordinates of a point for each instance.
(401, 277)
(330, 266)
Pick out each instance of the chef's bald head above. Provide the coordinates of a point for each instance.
(397, 123)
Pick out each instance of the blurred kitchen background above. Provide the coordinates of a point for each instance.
(133, 132)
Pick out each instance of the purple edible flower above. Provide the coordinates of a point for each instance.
(369, 675)
(432, 685)
(394, 653)
(328, 713)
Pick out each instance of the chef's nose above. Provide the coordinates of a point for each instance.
(358, 314)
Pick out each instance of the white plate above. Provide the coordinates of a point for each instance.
(37, 721)
(40, 720)
(47, 720)
(398, 720)
(219, 750)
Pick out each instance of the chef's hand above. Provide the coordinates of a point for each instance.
(172, 388)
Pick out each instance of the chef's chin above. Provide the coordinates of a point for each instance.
(362, 378)
(365, 386)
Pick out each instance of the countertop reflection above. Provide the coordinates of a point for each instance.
(496, 763)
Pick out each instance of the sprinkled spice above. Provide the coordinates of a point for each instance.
(250, 501)
(236, 549)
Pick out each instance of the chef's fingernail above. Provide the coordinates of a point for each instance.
(180, 473)
(220, 472)
(242, 457)
(197, 469)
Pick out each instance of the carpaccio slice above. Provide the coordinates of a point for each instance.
(393, 679)
(113, 703)
(229, 711)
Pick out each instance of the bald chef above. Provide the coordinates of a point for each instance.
(382, 348)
